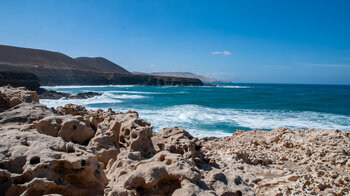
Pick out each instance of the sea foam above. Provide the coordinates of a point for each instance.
(207, 121)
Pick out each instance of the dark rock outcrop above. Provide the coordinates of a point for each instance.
(19, 78)
(45, 94)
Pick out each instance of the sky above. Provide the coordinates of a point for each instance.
(261, 41)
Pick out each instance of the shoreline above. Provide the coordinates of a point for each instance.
(194, 115)
(112, 153)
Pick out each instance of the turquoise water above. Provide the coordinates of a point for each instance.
(219, 111)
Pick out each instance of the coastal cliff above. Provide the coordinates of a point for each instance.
(73, 151)
(53, 68)
(19, 79)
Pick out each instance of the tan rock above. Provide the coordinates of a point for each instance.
(35, 164)
(105, 143)
(25, 113)
(75, 129)
(72, 109)
(286, 162)
(49, 125)
(135, 134)
(177, 140)
(70, 128)
(160, 175)
(171, 162)
(10, 97)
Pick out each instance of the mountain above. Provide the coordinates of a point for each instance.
(54, 68)
(188, 75)
(34, 58)
(102, 64)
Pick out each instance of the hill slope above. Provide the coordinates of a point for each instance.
(102, 64)
(34, 58)
(53, 68)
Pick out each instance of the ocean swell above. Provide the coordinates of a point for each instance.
(211, 120)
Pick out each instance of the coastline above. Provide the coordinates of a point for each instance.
(71, 150)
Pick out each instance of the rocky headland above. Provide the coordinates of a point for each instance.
(70, 150)
(54, 68)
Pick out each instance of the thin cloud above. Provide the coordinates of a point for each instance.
(221, 53)
(327, 65)
(226, 53)
(215, 53)
(152, 66)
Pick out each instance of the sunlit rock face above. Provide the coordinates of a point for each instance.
(73, 151)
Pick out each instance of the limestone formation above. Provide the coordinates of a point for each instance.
(10, 97)
(105, 144)
(160, 175)
(25, 113)
(37, 164)
(72, 109)
(287, 162)
(73, 151)
(177, 140)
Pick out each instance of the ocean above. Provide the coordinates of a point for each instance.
(221, 110)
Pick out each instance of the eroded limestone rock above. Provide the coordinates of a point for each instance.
(38, 156)
(286, 162)
(70, 128)
(10, 97)
(159, 175)
(35, 164)
(25, 113)
(177, 140)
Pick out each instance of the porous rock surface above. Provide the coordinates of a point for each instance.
(73, 151)
(286, 162)
(36, 164)
(10, 97)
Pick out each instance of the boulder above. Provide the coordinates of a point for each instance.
(36, 164)
(10, 97)
(25, 113)
(68, 127)
(177, 140)
(135, 134)
(160, 175)
(72, 109)
(125, 131)
(105, 144)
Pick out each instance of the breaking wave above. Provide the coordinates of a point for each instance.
(204, 121)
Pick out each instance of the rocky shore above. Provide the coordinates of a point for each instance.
(50, 94)
(73, 151)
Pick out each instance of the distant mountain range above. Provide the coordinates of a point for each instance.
(34, 58)
(54, 68)
(186, 75)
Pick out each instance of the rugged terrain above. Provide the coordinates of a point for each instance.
(19, 79)
(189, 75)
(53, 68)
(72, 151)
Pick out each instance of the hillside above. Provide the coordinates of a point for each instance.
(188, 75)
(53, 68)
(34, 58)
(101, 64)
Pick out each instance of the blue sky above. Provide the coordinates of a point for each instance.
(242, 41)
